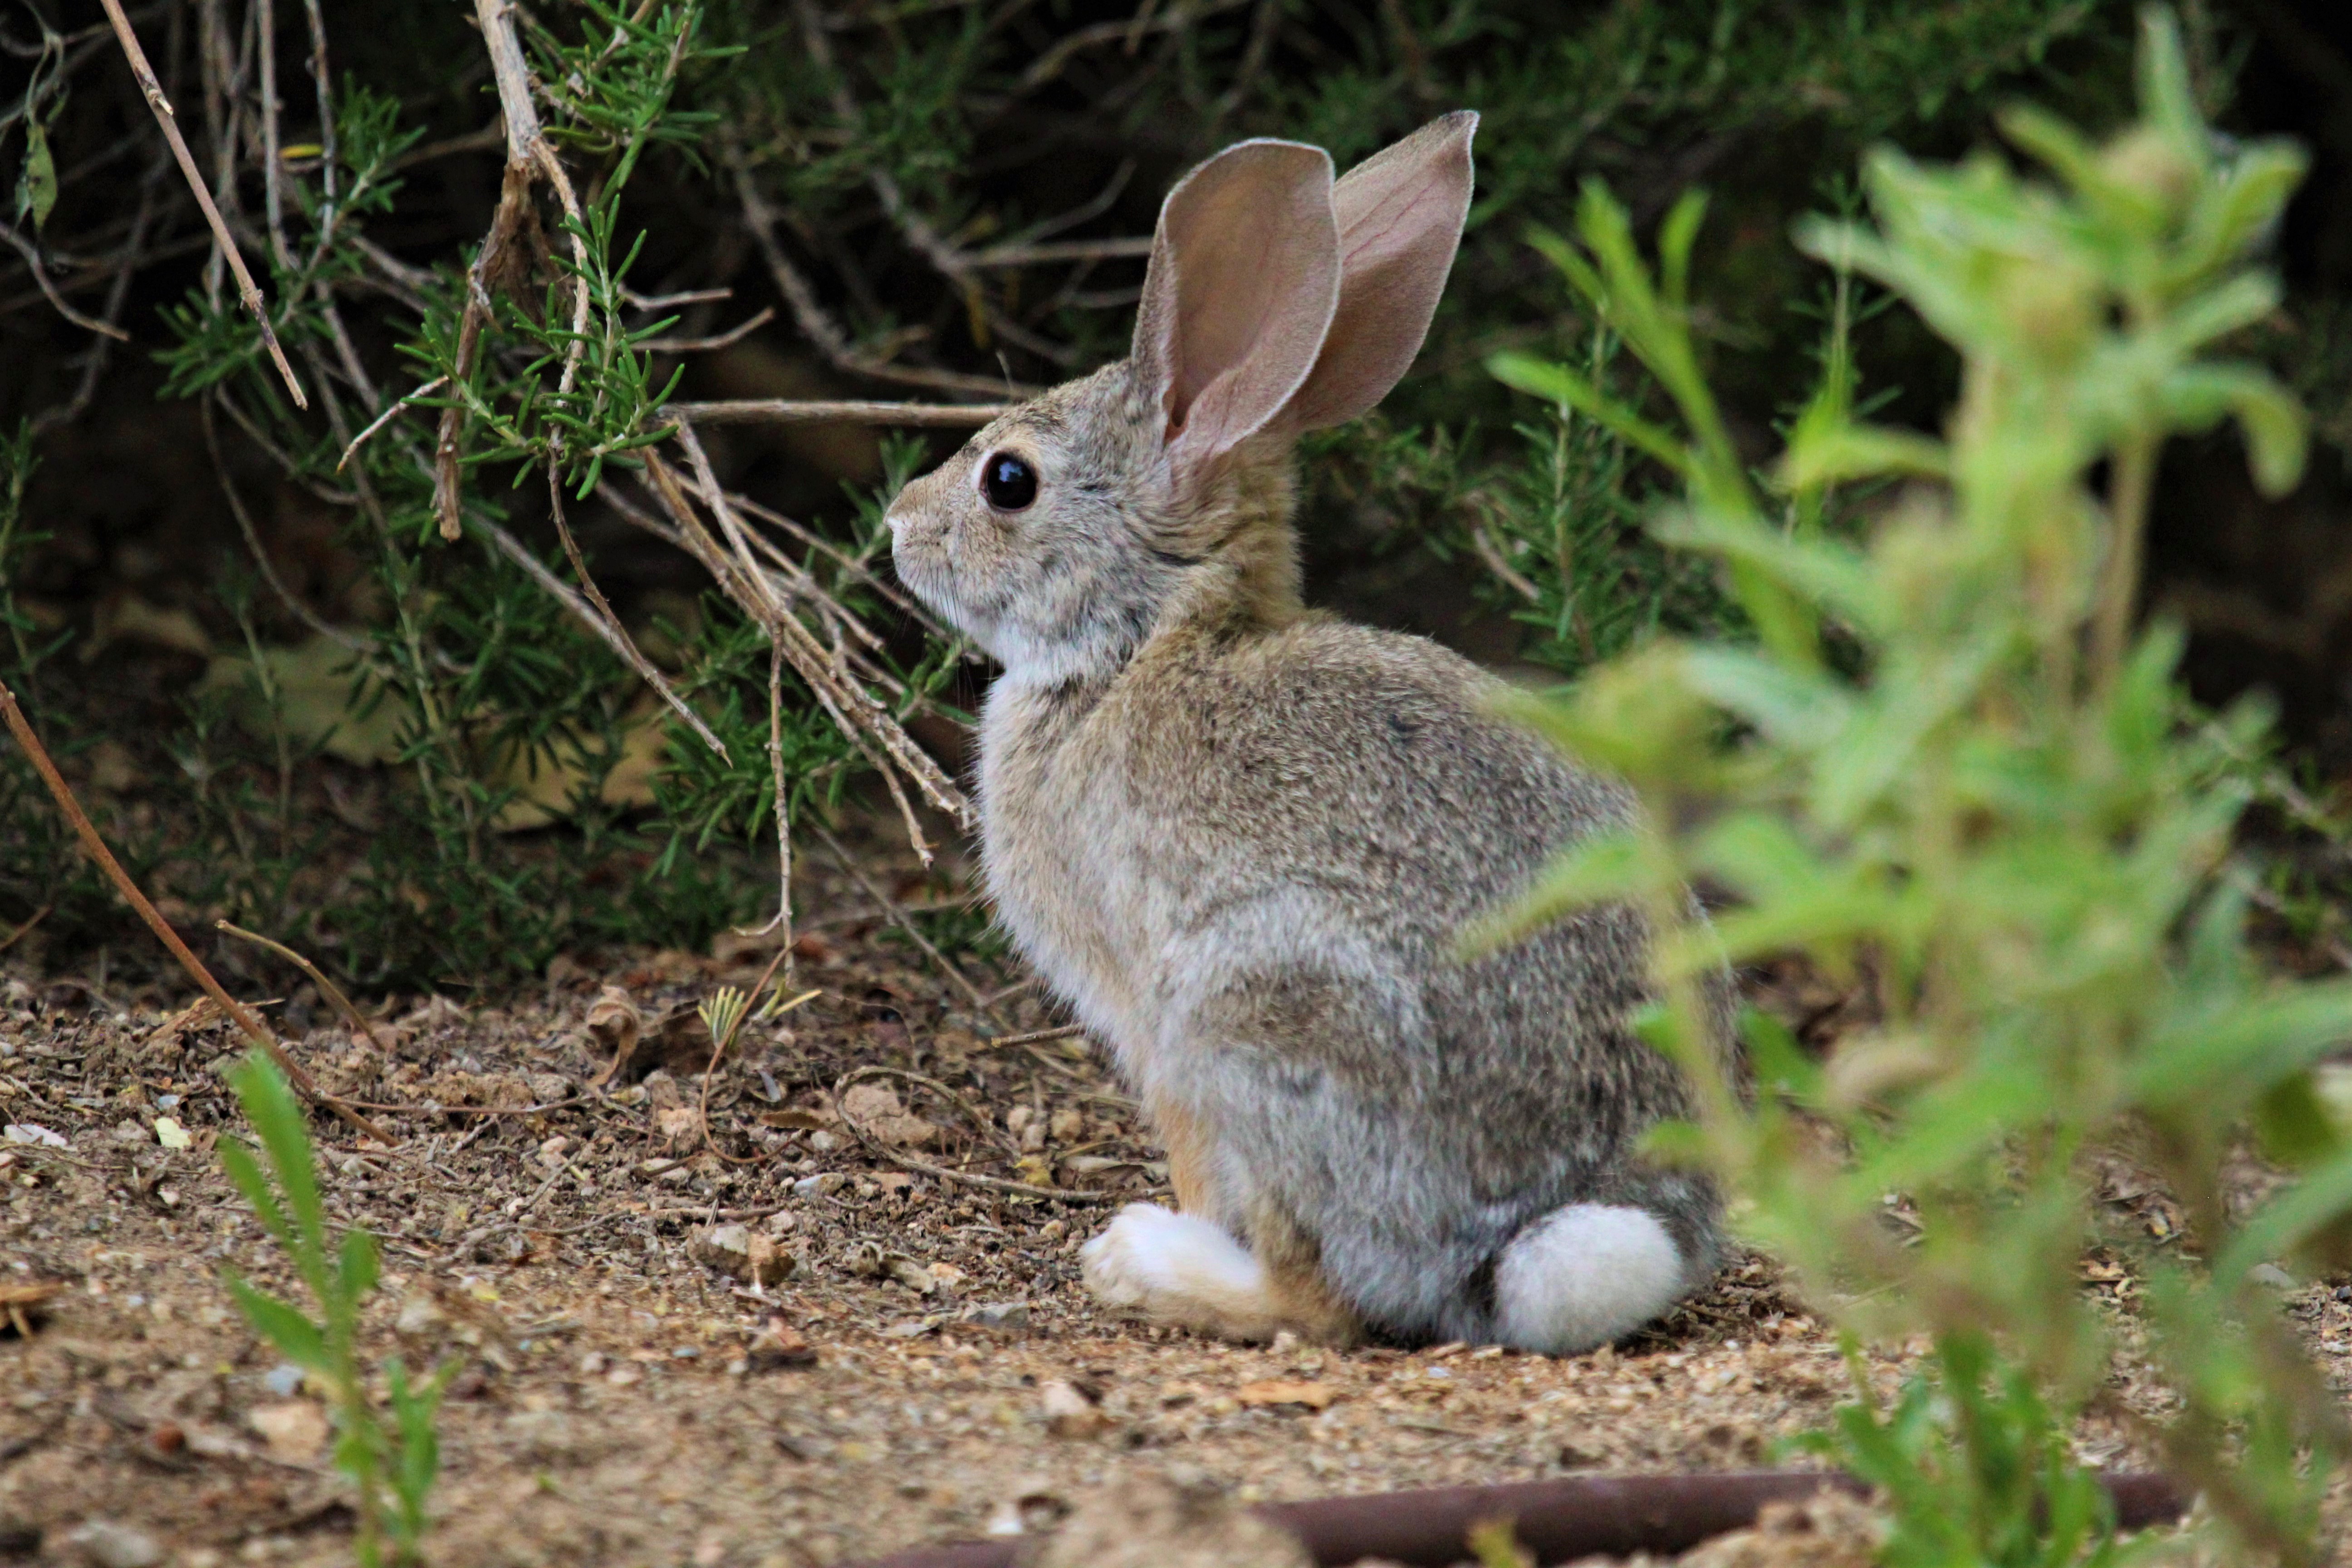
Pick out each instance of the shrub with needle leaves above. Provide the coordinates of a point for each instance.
(1950, 769)
(391, 1466)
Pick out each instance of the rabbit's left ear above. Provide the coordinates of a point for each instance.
(1238, 297)
(1401, 212)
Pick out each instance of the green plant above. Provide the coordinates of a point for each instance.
(1974, 1469)
(391, 1466)
(1950, 769)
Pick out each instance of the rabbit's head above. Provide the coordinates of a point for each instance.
(1276, 300)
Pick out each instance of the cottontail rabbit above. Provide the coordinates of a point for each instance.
(1242, 838)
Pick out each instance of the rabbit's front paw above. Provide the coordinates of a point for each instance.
(1177, 1268)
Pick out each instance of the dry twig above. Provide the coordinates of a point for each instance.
(327, 988)
(248, 290)
(104, 859)
(903, 1160)
(795, 411)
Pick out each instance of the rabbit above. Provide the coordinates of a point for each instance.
(1241, 838)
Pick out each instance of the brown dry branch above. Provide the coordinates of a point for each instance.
(37, 264)
(104, 859)
(903, 1160)
(25, 929)
(608, 621)
(248, 290)
(1015, 253)
(504, 255)
(761, 218)
(732, 335)
(327, 988)
(906, 923)
(825, 670)
(860, 716)
(854, 566)
(792, 411)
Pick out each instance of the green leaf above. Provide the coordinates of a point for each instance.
(2245, 1047)
(298, 1338)
(359, 1266)
(2273, 423)
(1834, 453)
(274, 1113)
(1525, 372)
(2322, 1199)
(2296, 1128)
(245, 1172)
(1606, 866)
(36, 180)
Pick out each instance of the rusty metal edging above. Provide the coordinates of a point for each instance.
(1558, 1520)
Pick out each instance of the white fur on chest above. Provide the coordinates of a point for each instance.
(1138, 922)
(1055, 846)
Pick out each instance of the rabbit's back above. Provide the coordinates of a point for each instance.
(1300, 823)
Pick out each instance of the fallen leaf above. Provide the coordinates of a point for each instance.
(779, 1344)
(32, 1133)
(1286, 1391)
(1069, 1411)
(171, 1134)
(296, 1431)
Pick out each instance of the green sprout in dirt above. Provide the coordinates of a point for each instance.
(391, 1466)
(1974, 1469)
(1950, 769)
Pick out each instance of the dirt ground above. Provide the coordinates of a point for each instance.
(879, 1356)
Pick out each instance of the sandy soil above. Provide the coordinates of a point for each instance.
(916, 1363)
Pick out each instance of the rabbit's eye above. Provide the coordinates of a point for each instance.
(1007, 481)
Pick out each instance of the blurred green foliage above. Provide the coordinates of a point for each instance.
(896, 177)
(1950, 769)
(392, 1465)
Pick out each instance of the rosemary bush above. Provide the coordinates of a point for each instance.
(1950, 765)
(860, 197)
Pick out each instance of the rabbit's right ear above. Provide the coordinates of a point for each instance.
(1401, 212)
(1238, 299)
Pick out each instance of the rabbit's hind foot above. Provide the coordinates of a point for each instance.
(1585, 1275)
(1179, 1268)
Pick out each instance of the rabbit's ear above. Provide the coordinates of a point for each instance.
(1244, 278)
(1401, 212)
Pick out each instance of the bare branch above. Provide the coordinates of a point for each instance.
(248, 290)
(795, 411)
(734, 334)
(33, 262)
(606, 625)
(95, 846)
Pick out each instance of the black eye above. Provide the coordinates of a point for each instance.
(1007, 481)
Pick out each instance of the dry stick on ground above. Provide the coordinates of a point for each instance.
(104, 858)
(900, 1158)
(327, 988)
(248, 290)
(1035, 1037)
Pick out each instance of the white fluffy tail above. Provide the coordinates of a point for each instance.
(1585, 1275)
